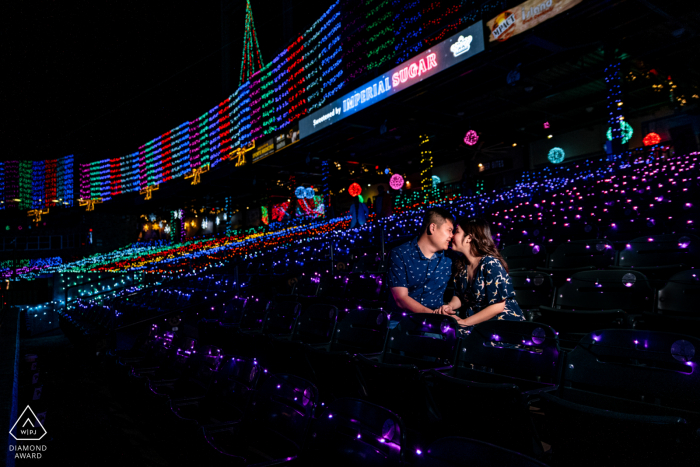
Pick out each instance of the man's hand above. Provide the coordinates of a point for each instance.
(446, 310)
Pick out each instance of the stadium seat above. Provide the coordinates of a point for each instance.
(628, 396)
(455, 451)
(316, 325)
(226, 397)
(524, 256)
(491, 412)
(581, 255)
(596, 300)
(274, 427)
(661, 256)
(532, 290)
(353, 432)
(357, 332)
(676, 306)
(197, 376)
(392, 379)
(510, 352)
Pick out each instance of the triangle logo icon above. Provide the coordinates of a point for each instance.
(28, 427)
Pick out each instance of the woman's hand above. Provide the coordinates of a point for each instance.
(445, 310)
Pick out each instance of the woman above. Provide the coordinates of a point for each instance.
(483, 289)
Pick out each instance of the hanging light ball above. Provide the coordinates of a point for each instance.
(309, 193)
(300, 192)
(354, 189)
(651, 139)
(396, 182)
(626, 129)
(556, 155)
(471, 138)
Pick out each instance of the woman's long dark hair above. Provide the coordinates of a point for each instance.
(482, 243)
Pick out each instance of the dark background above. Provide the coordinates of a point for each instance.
(99, 79)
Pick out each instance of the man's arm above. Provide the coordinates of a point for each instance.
(405, 302)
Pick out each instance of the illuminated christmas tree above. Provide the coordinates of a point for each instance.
(251, 60)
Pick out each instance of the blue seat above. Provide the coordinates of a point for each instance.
(353, 432)
(455, 451)
(273, 429)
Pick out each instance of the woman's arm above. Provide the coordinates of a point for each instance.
(484, 315)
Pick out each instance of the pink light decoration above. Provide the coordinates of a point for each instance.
(546, 124)
(396, 182)
(471, 138)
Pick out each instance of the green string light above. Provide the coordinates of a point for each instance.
(252, 58)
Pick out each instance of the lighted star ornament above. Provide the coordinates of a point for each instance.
(197, 174)
(37, 213)
(148, 191)
(90, 203)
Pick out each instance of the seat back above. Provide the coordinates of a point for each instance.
(519, 349)
(356, 432)
(308, 284)
(333, 286)
(532, 289)
(254, 313)
(680, 296)
(283, 411)
(366, 287)
(316, 324)
(236, 381)
(525, 256)
(455, 451)
(422, 339)
(626, 290)
(661, 250)
(582, 253)
(360, 331)
(205, 363)
(281, 318)
(640, 365)
(232, 311)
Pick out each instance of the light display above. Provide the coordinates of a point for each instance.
(396, 182)
(426, 168)
(354, 189)
(555, 202)
(436, 181)
(251, 50)
(336, 51)
(626, 131)
(471, 138)
(148, 191)
(310, 208)
(651, 139)
(556, 155)
(300, 192)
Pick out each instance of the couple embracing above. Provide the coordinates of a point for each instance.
(419, 272)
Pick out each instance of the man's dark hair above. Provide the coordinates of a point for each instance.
(435, 216)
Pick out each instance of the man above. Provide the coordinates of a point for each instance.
(419, 269)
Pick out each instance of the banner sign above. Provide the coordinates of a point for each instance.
(441, 56)
(276, 142)
(525, 16)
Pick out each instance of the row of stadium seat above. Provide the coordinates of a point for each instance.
(504, 383)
